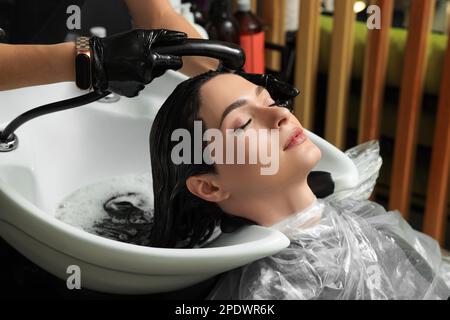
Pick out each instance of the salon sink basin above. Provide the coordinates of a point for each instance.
(61, 152)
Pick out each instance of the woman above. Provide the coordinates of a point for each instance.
(349, 249)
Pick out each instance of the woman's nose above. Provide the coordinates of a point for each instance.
(277, 117)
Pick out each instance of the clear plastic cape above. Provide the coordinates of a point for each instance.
(345, 249)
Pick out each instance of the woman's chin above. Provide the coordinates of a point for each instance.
(307, 154)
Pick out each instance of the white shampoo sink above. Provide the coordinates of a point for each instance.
(62, 152)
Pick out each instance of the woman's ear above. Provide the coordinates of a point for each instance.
(204, 187)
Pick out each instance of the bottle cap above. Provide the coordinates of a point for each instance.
(98, 32)
(186, 12)
(176, 4)
(244, 5)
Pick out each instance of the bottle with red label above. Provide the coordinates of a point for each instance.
(251, 37)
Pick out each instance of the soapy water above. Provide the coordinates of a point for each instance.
(119, 208)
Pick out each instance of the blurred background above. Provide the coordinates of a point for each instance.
(364, 73)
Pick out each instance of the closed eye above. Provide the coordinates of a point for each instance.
(244, 126)
(278, 103)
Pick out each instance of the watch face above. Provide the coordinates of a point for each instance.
(83, 71)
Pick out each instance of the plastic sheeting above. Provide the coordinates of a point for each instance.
(346, 249)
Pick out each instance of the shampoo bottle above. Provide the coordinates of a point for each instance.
(251, 37)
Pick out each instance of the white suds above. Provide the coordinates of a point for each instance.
(84, 207)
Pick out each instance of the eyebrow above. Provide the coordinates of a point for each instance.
(237, 104)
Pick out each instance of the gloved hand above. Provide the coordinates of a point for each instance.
(126, 62)
(282, 92)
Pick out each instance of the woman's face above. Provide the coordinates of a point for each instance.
(231, 102)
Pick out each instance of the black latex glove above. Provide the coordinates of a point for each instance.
(126, 62)
(282, 92)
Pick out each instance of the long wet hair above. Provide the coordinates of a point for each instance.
(179, 215)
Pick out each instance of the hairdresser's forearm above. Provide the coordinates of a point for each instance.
(29, 65)
(146, 14)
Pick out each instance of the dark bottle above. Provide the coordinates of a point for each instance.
(199, 17)
(251, 37)
(221, 23)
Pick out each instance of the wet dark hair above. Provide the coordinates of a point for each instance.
(179, 215)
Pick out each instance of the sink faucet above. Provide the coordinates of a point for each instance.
(231, 57)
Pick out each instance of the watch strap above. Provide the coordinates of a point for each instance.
(83, 63)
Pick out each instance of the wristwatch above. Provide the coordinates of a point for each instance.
(83, 63)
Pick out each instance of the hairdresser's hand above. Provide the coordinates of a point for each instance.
(126, 62)
(282, 92)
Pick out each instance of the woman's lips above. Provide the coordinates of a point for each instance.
(297, 137)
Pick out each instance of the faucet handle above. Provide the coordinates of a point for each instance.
(232, 56)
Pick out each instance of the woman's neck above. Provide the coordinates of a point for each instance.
(273, 207)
